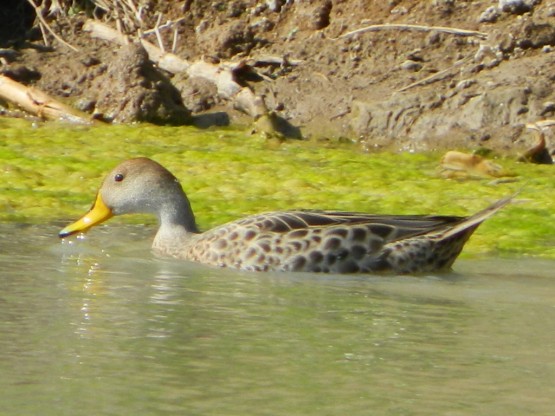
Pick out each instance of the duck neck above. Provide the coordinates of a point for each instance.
(176, 226)
(177, 214)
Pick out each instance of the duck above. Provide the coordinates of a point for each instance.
(286, 241)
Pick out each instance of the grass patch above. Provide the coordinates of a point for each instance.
(51, 172)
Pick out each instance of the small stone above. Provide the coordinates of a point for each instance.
(516, 6)
(506, 42)
(433, 38)
(485, 137)
(415, 55)
(465, 83)
(235, 9)
(8, 54)
(20, 73)
(401, 10)
(321, 16)
(490, 15)
(410, 65)
(201, 27)
(275, 5)
(258, 9)
(85, 104)
(262, 25)
(445, 7)
(488, 56)
(537, 35)
(547, 107)
(483, 52)
(89, 61)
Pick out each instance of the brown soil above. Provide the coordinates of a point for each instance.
(480, 93)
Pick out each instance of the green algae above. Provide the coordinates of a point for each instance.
(51, 173)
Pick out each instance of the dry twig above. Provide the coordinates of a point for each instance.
(169, 24)
(44, 24)
(437, 76)
(158, 35)
(420, 28)
(175, 37)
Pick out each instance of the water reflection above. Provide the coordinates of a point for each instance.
(102, 327)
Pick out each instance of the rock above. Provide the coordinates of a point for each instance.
(132, 89)
(547, 108)
(505, 42)
(199, 94)
(262, 25)
(410, 65)
(537, 35)
(275, 5)
(488, 56)
(313, 17)
(538, 152)
(235, 9)
(494, 107)
(20, 73)
(85, 104)
(465, 83)
(416, 55)
(517, 6)
(400, 10)
(320, 17)
(490, 15)
(387, 120)
(445, 7)
(227, 40)
(8, 54)
(89, 61)
(494, 110)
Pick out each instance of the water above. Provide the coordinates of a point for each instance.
(101, 327)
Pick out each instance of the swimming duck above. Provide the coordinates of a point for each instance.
(310, 241)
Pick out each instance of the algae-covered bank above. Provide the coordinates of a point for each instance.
(51, 173)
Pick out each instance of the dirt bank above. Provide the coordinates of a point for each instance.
(410, 85)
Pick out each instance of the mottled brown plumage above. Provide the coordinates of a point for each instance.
(311, 241)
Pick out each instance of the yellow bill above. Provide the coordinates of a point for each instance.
(97, 214)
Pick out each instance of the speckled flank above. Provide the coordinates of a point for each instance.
(331, 243)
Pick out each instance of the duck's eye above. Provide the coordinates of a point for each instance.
(118, 177)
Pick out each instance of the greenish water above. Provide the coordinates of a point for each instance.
(100, 327)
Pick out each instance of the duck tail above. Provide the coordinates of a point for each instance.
(469, 224)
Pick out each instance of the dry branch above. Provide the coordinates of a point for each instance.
(39, 103)
(221, 75)
(44, 24)
(170, 24)
(419, 28)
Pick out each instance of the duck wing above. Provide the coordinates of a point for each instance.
(389, 227)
